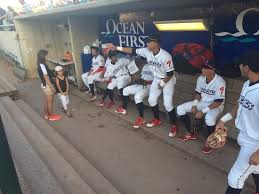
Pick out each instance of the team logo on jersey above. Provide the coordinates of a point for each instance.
(246, 103)
(147, 73)
(95, 64)
(169, 63)
(154, 63)
(208, 91)
(117, 69)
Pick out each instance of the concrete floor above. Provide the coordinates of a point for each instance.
(132, 161)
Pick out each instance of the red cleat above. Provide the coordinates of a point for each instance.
(101, 103)
(121, 110)
(207, 150)
(139, 121)
(154, 123)
(110, 105)
(54, 117)
(187, 136)
(173, 131)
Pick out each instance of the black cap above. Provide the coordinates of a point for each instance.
(112, 54)
(154, 38)
(251, 59)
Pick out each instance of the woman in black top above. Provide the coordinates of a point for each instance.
(47, 85)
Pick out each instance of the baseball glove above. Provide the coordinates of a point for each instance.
(217, 139)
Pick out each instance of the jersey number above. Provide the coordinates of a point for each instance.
(169, 63)
(222, 90)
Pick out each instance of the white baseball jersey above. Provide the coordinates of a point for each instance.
(109, 68)
(120, 68)
(97, 62)
(160, 63)
(146, 73)
(214, 90)
(247, 119)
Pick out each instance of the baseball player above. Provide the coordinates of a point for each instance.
(95, 71)
(208, 104)
(247, 121)
(162, 67)
(140, 90)
(119, 70)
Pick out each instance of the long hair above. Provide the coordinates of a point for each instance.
(41, 57)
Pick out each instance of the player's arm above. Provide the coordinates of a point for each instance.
(58, 86)
(169, 66)
(227, 117)
(219, 98)
(127, 50)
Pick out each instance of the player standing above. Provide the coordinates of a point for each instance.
(95, 71)
(140, 89)
(208, 103)
(162, 67)
(247, 121)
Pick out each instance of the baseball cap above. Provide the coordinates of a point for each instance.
(251, 59)
(209, 64)
(154, 38)
(95, 46)
(58, 68)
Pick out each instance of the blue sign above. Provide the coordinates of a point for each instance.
(235, 35)
(134, 34)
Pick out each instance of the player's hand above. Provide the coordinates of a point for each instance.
(199, 115)
(254, 159)
(220, 125)
(194, 110)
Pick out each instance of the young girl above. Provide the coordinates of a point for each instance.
(62, 89)
(47, 85)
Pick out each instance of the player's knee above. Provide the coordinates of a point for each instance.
(235, 181)
(180, 110)
(210, 120)
(138, 99)
(168, 106)
(85, 75)
(110, 86)
(152, 102)
(126, 91)
(90, 79)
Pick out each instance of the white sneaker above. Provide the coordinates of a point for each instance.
(93, 98)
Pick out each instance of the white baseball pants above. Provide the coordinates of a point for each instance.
(119, 82)
(140, 92)
(89, 79)
(241, 168)
(210, 117)
(168, 92)
(64, 100)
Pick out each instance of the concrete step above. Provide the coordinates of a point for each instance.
(29, 164)
(83, 167)
(7, 88)
(66, 176)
